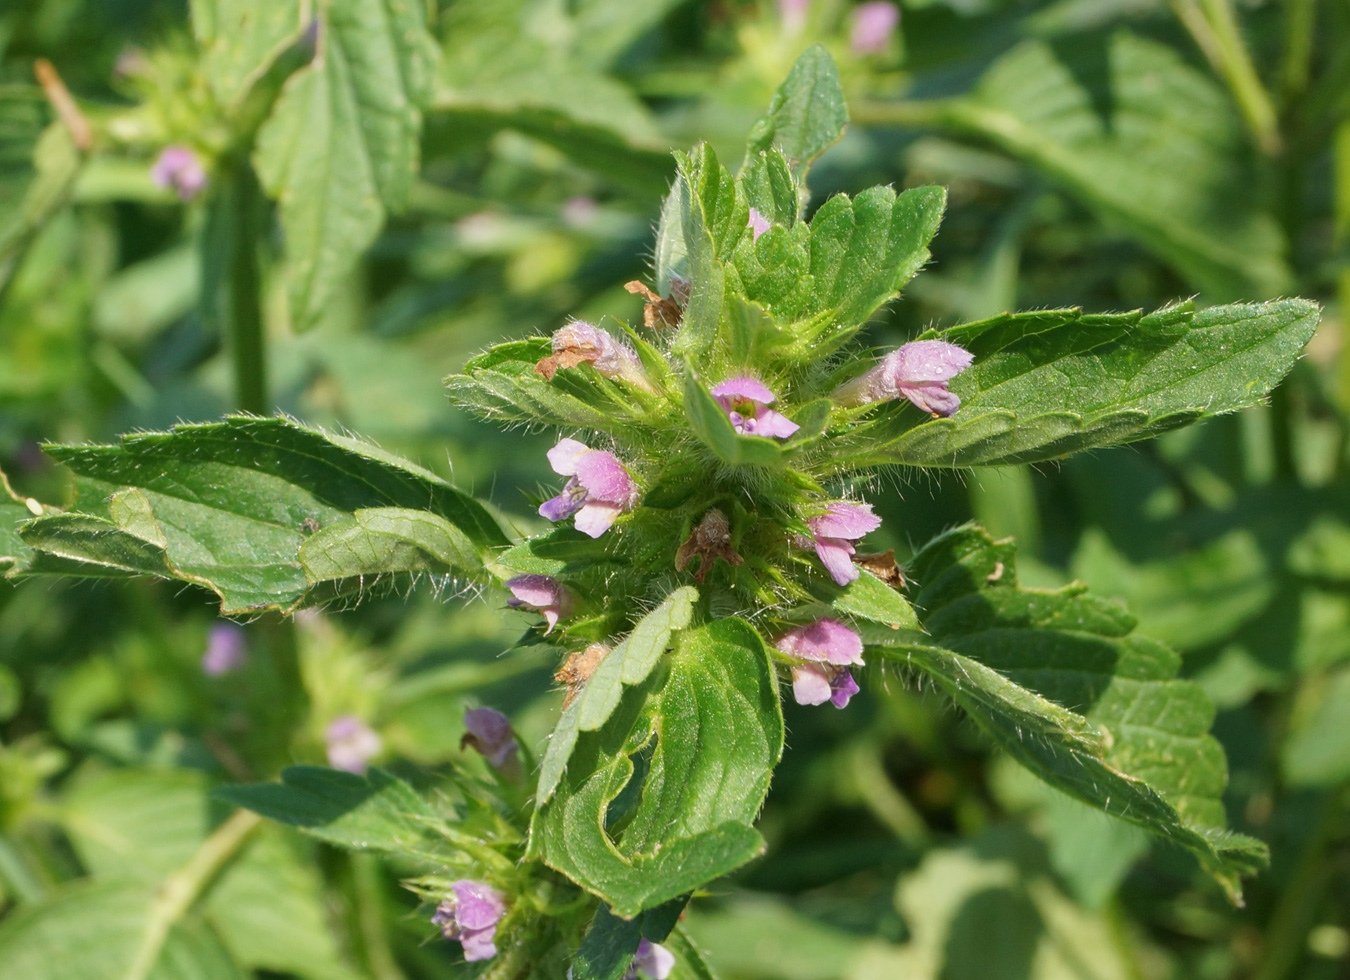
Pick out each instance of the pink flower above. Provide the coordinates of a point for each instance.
(793, 13)
(918, 371)
(873, 25)
(490, 733)
(179, 169)
(833, 534)
(652, 961)
(351, 744)
(226, 649)
(746, 402)
(580, 342)
(470, 916)
(543, 594)
(825, 640)
(758, 224)
(817, 683)
(598, 491)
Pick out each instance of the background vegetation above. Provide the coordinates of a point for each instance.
(1111, 153)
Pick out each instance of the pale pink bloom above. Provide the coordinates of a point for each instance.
(918, 371)
(746, 402)
(758, 224)
(226, 649)
(825, 640)
(179, 169)
(793, 14)
(652, 961)
(598, 491)
(543, 594)
(873, 25)
(581, 342)
(351, 744)
(817, 683)
(833, 534)
(470, 916)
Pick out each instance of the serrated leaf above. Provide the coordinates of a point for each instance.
(627, 665)
(869, 598)
(1157, 767)
(1164, 157)
(241, 38)
(229, 504)
(341, 145)
(710, 731)
(386, 541)
(1051, 383)
(806, 116)
(713, 427)
(713, 220)
(376, 812)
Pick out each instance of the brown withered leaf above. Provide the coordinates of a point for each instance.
(578, 668)
(657, 313)
(883, 566)
(568, 357)
(710, 540)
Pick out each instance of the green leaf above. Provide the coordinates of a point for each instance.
(714, 429)
(383, 541)
(94, 931)
(869, 598)
(376, 812)
(14, 510)
(501, 385)
(627, 665)
(713, 220)
(806, 116)
(1051, 383)
(708, 733)
(241, 38)
(229, 505)
(341, 145)
(607, 950)
(1148, 142)
(1157, 766)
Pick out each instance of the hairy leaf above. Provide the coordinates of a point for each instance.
(229, 504)
(627, 665)
(241, 38)
(1051, 383)
(806, 117)
(341, 146)
(707, 733)
(1157, 766)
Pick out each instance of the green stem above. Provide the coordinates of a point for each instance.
(1300, 21)
(15, 874)
(1340, 191)
(683, 947)
(370, 915)
(232, 281)
(1301, 898)
(1213, 24)
(880, 795)
(182, 888)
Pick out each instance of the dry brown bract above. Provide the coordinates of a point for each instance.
(710, 540)
(568, 357)
(883, 566)
(578, 668)
(658, 313)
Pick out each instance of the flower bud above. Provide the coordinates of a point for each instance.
(918, 371)
(179, 169)
(351, 744)
(543, 594)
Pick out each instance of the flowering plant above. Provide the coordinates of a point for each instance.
(702, 558)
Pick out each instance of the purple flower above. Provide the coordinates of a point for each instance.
(746, 402)
(652, 960)
(490, 733)
(918, 371)
(471, 915)
(817, 683)
(758, 224)
(226, 649)
(351, 744)
(580, 342)
(542, 593)
(873, 25)
(833, 534)
(825, 640)
(598, 491)
(580, 211)
(179, 169)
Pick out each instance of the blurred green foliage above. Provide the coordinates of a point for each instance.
(1118, 155)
